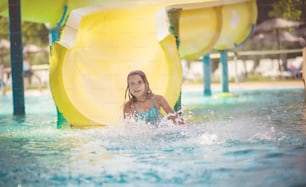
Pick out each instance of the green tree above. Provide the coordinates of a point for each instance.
(32, 33)
(4, 27)
(35, 33)
(289, 9)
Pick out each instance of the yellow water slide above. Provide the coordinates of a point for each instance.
(91, 72)
(102, 43)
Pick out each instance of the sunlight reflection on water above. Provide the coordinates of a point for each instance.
(254, 139)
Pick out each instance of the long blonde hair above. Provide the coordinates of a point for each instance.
(132, 98)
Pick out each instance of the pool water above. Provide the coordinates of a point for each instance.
(256, 138)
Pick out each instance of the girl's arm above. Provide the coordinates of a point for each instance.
(127, 111)
(168, 109)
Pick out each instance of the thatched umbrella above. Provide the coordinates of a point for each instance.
(301, 32)
(276, 24)
(30, 48)
(282, 36)
(265, 30)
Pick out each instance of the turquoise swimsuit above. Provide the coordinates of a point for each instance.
(152, 116)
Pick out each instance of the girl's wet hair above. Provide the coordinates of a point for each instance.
(143, 76)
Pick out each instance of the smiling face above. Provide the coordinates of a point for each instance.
(137, 86)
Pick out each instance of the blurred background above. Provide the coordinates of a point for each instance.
(273, 51)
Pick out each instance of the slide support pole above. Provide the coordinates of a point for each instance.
(174, 16)
(55, 35)
(16, 57)
(224, 63)
(206, 75)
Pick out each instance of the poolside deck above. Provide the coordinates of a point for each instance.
(248, 85)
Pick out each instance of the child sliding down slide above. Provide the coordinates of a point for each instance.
(143, 104)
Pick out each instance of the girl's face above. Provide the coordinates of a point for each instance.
(137, 86)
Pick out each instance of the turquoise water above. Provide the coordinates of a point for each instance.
(257, 138)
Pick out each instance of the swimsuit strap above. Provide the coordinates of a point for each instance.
(153, 99)
(134, 106)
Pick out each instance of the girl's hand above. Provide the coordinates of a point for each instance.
(177, 119)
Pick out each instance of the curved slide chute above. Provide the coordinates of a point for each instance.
(238, 22)
(48, 12)
(219, 25)
(103, 41)
(109, 44)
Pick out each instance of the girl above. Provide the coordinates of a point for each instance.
(142, 104)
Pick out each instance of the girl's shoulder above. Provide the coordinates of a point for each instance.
(158, 98)
(127, 104)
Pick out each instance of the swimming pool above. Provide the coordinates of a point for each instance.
(257, 138)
